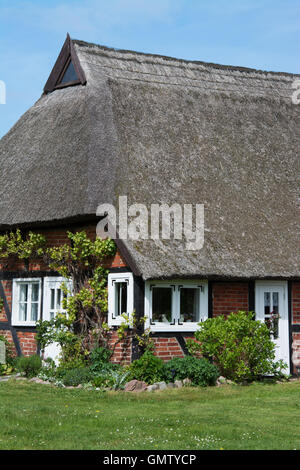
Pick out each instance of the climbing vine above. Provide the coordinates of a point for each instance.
(14, 247)
(83, 325)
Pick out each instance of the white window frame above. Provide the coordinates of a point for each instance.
(113, 279)
(53, 283)
(16, 300)
(176, 286)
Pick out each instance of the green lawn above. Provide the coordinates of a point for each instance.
(34, 416)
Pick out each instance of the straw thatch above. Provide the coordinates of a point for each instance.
(162, 130)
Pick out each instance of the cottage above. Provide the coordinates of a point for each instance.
(159, 130)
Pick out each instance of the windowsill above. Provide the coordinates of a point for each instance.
(29, 324)
(188, 328)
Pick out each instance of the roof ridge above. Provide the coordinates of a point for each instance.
(186, 61)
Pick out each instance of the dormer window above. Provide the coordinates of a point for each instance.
(68, 75)
(67, 70)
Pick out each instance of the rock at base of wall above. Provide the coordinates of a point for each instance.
(135, 386)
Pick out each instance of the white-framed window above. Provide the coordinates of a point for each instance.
(53, 296)
(26, 301)
(176, 305)
(120, 297)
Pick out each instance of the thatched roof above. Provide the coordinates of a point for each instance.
(159, 129)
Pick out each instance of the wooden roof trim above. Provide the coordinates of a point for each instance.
(66, 54)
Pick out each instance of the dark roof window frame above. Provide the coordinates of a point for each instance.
(67, 55)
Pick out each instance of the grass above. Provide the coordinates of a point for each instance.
(259, 416)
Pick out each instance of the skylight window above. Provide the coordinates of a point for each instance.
(69, 75)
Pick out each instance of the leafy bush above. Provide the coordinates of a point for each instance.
(199, 371)
(30, 366)
(148, 368)
(99, 359)
(74, 377)
(240, 346)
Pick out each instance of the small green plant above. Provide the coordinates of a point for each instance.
(114, 379)
(148, 368)
(199, 371)
(99, 359)
(240, 346)
(30, 366)
(75, 377)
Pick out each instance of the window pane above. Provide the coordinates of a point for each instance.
(275, 302)
(22, 312)
(35, 292)
(52, 298)
(51, 315)
(58, 299)
(189, 305)
(267, 303)
(121, 298)
(70, 74)
(34, 312)
(162, 304)
(23, 292)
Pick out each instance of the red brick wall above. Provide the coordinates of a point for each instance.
(229, 297)
(123, 350)
(296, 302)
(27, 343)
(166, 348)
(296, 351)
(9, 337)
(7, 286)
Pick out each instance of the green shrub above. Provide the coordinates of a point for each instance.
(65, 367)
(30, 366)
(240, 346)
(74, 377)
(199, 371)
(148, 368)
(99, 359)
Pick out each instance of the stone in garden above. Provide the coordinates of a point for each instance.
(221, 380)
(187, 382)
(152, 388)
(230, 382)
(162, 385)
(178, 384)
(171, 385)
(135, 386)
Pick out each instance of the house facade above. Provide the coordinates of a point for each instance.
(159, 131)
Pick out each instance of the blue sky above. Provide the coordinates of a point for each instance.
(263, 34)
